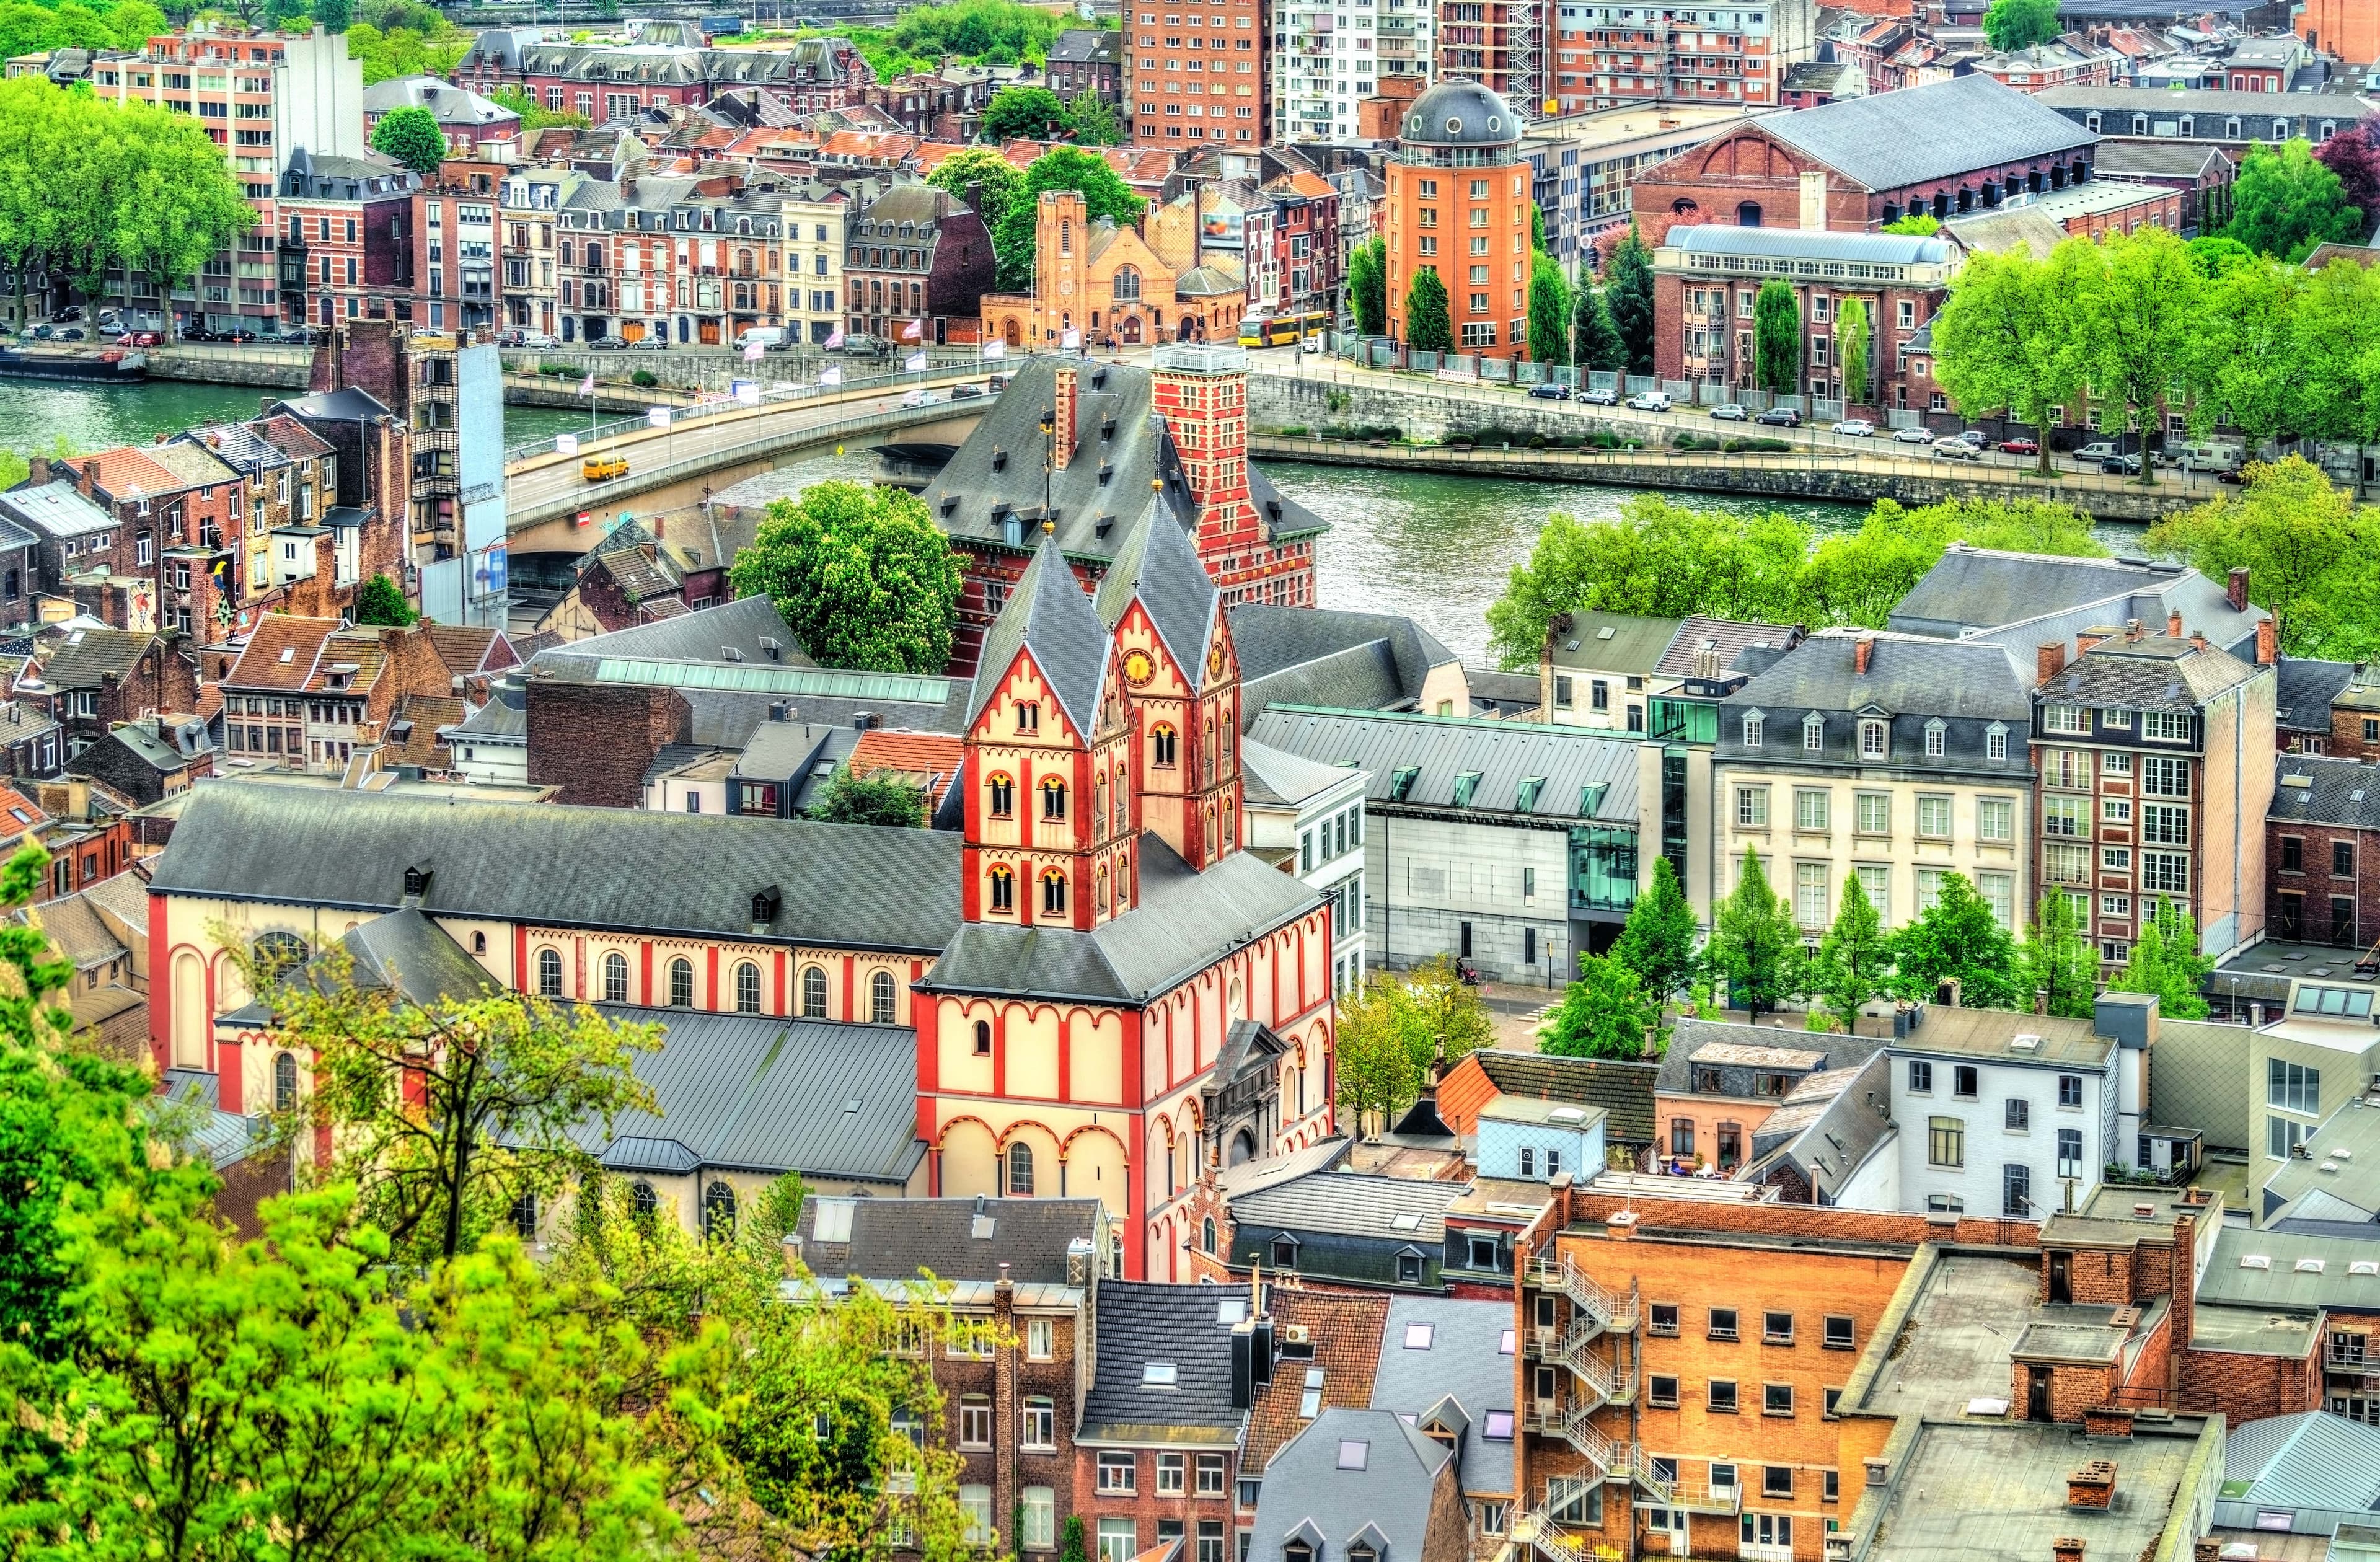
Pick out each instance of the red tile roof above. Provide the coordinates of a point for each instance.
(281, 653)
(932, 757)
(127, 471)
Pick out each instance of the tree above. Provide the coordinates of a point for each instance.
(535, 116)
(2247, 372)
(1630, 293)
(985, 180)
(1851, 346)
(1917, 225)
(1071, 1548)
(1549, 310)
(2020, 24)
(1367, 286)
(1957, 938)
(1605, 1013)
(1427, 328)
(863, 576)
(1657, 943)
(1755, 943)
(412, 137)
(2335, 358)
(2138, 319)
(1776, 338)
(1374, 1054)
(1027, 112)
(2058, 960)
(877, 798)
(2216, 256)
(382, 600)
(1453, 1020)
(2165, 961)
(1595, 342)
(2307, 550)
(2008, 338)
(1856, 958)
(1093, 121)
(334, 16)
(1064, 167)
(2286, 201)
(2354, 155)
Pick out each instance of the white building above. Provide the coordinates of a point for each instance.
(1329, 56)
(1309, 817)
(814, 221)
(490, 745)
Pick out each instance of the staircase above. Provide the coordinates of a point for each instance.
(1610, 1311)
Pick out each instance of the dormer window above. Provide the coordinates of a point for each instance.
(1814, 732)
(1875, 737)
(1752, 722)
(1937, 732)
(1995, 743)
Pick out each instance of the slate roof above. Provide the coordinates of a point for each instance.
(1623, 1090)
(1048, 617)
(1158, 567)
(1183, 922)
(1930, 132)
(1086, 46)
(2159, 159)
(1348, 1204)
(1567, 763)
(1790, 243)
(349, 403)
(81, 934)
(893, 1240)
(405, 953)
(2220, 101)
(1140, 1322)
(842, 886)
(85, 656)
(1999, 231)
(2150, 674)
(1619, 642)
(1908, 675)
(1297, 654)
(762, 1093)
(2307, 686)
(701, 635)
(1269, 776)
(1729, 637)
(1469, 1357)
(2335, 791)
(1342, 1342)
(1689, 1036)
(1828, 1126)
(1309, 1498)
(56, 510)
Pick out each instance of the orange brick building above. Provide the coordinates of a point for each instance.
(2349, 28)
(1458, 205)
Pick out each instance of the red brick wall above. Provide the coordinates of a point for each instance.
(595, 742)
(2253, 1387)
(2312, 886)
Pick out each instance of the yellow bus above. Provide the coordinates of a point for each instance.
(1282, 330)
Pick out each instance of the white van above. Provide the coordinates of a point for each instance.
(769, 338)
(2212, 457)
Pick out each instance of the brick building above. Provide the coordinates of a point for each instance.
(1607, 57)
(1458, 205)
(91, 681)
(347, 249)
(1097, 278)
(2232, 120)
(605, 82)
(1200, 76)
(2322, 849)
(1157, 1455)
(1088, 60)
(181, 510)
(916, 264)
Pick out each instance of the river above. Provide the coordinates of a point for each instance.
(35, 414)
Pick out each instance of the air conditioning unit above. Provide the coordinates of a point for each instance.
(1295, 1333)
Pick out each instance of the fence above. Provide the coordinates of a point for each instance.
(715, 369)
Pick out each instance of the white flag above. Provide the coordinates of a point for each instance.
(834, 338)
(658, 417)
(995, 349)
(831, 375)
(914, 332)
(752, 352)
(915, 363)
(586, 386)
(1071, 340)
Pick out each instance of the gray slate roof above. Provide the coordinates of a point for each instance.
(1326, 656)
(1906, 675)
(1158, 567)
(2151, 674)
(1727, 637)
(1689, 1036)
(1931, 132)
(407, 953)
(1624, 1090)
(1183, 922)
(82, 656)
(1351, 1206)
(1468, 1357)
(55, 510)
(1140, 1322)
(760, 1093)
(2027, 600)
(2307, 686)
(1270, 776)
(1828, 1126)
(2313, 1459)
(1050, 619)
(1568, 761)
(705, 635)
(2336, 792)
(1619, 642)
(893, 1240)
(1307, 1495)
(842, 886)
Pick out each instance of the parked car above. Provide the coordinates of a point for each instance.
(1975, 437)
(607, 344)
(1956, 450)
(143, 339)
(1781, 418)
(1915, 434)
(2217, 458)
(859, 345)
(2128, 466)
(965, 392)
(1311, 343)
(1855, 428)
(1599, 397)
(920, 397)
(1727, 412)
(650, 344)
(41, 333)
(540, 340)
(604, 468)
(1552, 390)
(1649, 401)
(72, 311)
(2232, 474)
(2021, 446)
(71, 334)
(2097, 450)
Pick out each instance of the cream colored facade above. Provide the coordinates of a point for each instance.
(813, 267)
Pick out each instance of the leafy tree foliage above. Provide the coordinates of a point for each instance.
(412, 137)
(534, 115)
(1092, 121)
(2246, 372)
(1851, 350)
(1064, 167)
(1917, 225)
(1776, 338)
(1856, 958)
(873, 799)
(1605, 1013)
(2021, 24)
(1392, 1031)
(1367, 286)
(1628, 292)
(1550, 309)
(2286, 201)
(1657, 943)
(2059, 960)
(862, 574)
(382, 600)
(1032, 112)
(2165, 961)
(2307, 550)
(978, 174)
(2140, 318)
(2354, 155)
(1427, 328)
(1595, 340)
(1755, 943)
(1958, 937)
(2010, 335)
(2335, 366)
(415, 40)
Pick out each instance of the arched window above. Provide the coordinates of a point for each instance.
(525, 1218)
(718, 1213)
(615, 978)
(1099, 802)
(567, 248)
(748, 988)
(1207, 1235)
(1207, 753)
(681, 982)
(1000, 795)
(549, 973)
(594, 257)
(1028, 716)
(1234, 1001)
(1210, 830)
(1020, 1170)
(1053, 893)
(1120, 817)
(983, 1038)
(880, 1001)
(813, 992)
(1053, 798)
(284, 1080)
(479, 943)
(276, 955)
(1099, 891)
(642, 1200)
(1161, 746)
(1748, 215)
(1128, 285)
(1002, 884)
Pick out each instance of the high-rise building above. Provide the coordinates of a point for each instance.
(1501, 44)
(1606, 56)
(1329, 56)
(1197, 75)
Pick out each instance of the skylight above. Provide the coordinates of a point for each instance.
(1418, 1335)
(1500, 1426)
(1231, 1309)
(2256, 1261)
(1355, 1454)
(1157, 1375)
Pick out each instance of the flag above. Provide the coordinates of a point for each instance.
(834, 338)
(586, 386)
(831, 375)
(995, 349)
(914, 332)
(915, 363)
(1071, 340)
(752, 353)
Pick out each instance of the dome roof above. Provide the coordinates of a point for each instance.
(1460, 113)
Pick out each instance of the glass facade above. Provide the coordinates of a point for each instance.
(1602, 868)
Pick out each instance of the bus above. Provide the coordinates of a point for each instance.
(1282, 330)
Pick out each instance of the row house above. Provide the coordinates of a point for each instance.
(2321, 850)
(347, 239)
(817, 221)
(604, 82)
(529, 205)
(2061, 62)
(737, 280)
(1200, 76)
(1224, 218)
(1607, 57)
(916, 264)
(91, 681)
(2233, 121)
(179, 519)
(1088, 61)
(473, 124)
(615, 259)
(457, 239)
(286, 477)
(931, 104)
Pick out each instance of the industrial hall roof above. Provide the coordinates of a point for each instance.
(1931, 132)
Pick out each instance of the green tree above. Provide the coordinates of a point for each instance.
(1367, 286)
(863, 576)
(334, 16)
(1064, 167)
(1427, 328)
(1851, 346)
(2008, 338)
(1957, 938)
(534, 115)
(134, 22)
(2165, 961)
(1452, 1017)
(412, 137)
(1605, 1013)
(1070, 1546)
(1595, 342)
(2286, 201)
(2246, 375)
(1776, 338)
(984, 179)
(1856, 958)
(2336, 357)
(1755, 943)
(2307, 550)
(1379, 1053)
(2139, 322)
(2058, 958)
(1657, 943)
(2020, 24)
(1628, 292)
(1093, 121)
(1030, 112)
(1549, 311)
(382, 600)
(873, 799)
(1917, 225)
(2216, 256)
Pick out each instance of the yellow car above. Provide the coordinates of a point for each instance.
(602, 469)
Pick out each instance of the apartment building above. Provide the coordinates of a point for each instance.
(1608, 55)
(529, 204)
(916, 265)
(2323, 846)
(1458, 205)
(1329, 56)
(1582, 163)
(814, 217)
(1199, 76)
(346, 240)
(1309, 818)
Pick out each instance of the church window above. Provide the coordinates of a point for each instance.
(1053, 893)
(1003, 889)
(1001, 799)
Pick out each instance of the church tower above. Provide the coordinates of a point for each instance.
(1201, 392)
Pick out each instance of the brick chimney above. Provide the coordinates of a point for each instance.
(2086, 639)
(2267, 634)
(2131, 628)
(37, 471)
(2049, 660)
(1863, 654)
(2173, 624)
(1065, 405)
(2236, 590)
(2066, 1548)
(2092, 1484)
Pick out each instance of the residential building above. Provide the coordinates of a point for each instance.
(88, 680)
(1584, 163)
(2278, 62)
(2322, 849)
(1203, 80)
(1361, 1483)
(606, 82)
(148, 760)
(345, 226)
(2295, 1311)
(1457, 180)
(1720, 1082)
(1859, 164)
(2060, 62)
(1326, 60)
(1222, 221)
(1609, 56)
(2305, 1469)
(474, 126)
(1308, 820)
(2232, 120)
(2025, 599)
(490, 745)
(1447, 1364)
(2155, 745)
(1177, 1368)
(1088, 61)
(1512, 846)
(20, 571)
(82, 830)
(2204, 175)
(815, 216)
(2306, 1065)
(2337, 28)
(1329, 1225)
(917, 266)
(1598, 668)
(1353, 661)
(1326, 1349)
(1622, 1091)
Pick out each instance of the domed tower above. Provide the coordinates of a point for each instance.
(1458, 205)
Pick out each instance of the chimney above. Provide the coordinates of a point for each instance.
(2091, 1485)
(2236, 590)
(2173, 625)
(37, 469)
(2049, 660)
(1863, 652)
(2266, 635)
(2041, 1000)
(2086, 639)
(1063, 440)
(2133, 629)
(1619, 1225)
(2066, 1548)
(2198, 639)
